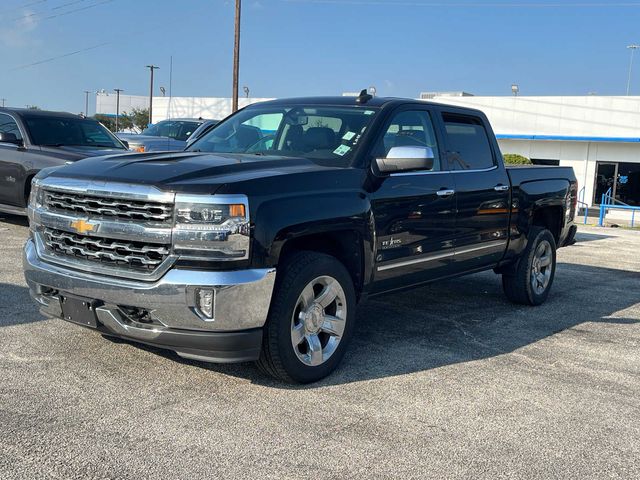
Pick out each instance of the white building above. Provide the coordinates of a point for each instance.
(212, 108)
(598, 136)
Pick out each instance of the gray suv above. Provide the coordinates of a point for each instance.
(167, 135)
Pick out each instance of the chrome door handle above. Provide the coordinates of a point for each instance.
(501, 188)
(445, 193)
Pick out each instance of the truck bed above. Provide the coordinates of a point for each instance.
(520, 174)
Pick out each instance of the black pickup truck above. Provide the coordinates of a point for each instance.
(258, 242)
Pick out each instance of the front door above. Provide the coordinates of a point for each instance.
(11, 169)
(606, 176)
(414, 212)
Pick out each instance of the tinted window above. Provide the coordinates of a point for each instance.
(8, 125)
(468, 143)
(178, 130)
(70, 131)
(411, 128)
(317, 132)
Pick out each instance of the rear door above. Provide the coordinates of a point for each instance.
(11, 168)
(414, 212)
(482, 186)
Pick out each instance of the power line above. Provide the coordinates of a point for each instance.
(468, 5)
(47, 60)
(26, 5)
(48, 14)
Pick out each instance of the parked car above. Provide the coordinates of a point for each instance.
(34, 139)
(258, 242)
(167, 135)
(203, 128)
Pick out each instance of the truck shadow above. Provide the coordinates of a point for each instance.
(582, 237)
(466, 319)
(14, 219)
(16, 306)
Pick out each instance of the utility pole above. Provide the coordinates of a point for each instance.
(117, 90)
(3, 100)
(86, 103)
(151, 69)
(633, 49)
(236, 57)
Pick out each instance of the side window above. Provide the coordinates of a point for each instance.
(9, 125)
(410, 128)
(468, 143)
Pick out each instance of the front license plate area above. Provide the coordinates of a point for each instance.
(79, 310)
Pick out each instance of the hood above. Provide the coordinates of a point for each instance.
(74, 153)
(137, 138)
(187, 171)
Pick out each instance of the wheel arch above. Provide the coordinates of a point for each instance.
(346, 245)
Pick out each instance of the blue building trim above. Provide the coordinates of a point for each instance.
(563, 138)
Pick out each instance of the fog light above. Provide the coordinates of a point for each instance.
(205, 302)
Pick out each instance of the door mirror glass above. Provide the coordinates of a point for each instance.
(9, 138)
(406, 159)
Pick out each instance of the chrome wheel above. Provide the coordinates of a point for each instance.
(541, 267)
(318, 320)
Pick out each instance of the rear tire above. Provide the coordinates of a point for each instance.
(311, 319)
(533, 277)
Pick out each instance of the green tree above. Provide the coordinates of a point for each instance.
(139, 118)
(515, 159)
(106, 120)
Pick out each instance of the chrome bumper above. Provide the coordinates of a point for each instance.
(241, 299)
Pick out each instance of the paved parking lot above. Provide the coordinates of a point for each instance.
(447, 381)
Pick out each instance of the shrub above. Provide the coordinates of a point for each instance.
(515, 159)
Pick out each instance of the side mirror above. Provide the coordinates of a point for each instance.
(10, 138)
(403, 159)
(125, 143)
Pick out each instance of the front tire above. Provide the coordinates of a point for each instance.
(311, 319)
(533, 277)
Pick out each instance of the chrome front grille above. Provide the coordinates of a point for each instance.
(106, 207)
(135, 255)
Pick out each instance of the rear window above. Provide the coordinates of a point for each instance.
(468, 143)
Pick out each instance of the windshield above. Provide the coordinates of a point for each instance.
(317, 132)
(70, 131)
(176, 129)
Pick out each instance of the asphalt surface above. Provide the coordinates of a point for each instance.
(447, 381)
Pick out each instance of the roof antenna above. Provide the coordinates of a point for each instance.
(364, 97)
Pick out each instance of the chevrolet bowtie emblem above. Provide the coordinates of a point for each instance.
(82, 226)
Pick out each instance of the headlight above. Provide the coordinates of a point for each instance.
(37, 194)
(211, 227)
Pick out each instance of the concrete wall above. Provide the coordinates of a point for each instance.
(587, 116)
(187, 107)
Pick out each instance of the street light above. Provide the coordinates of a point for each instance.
(515, 89)
(117, 90)
(236, 57)
(151, 69)
(633, 49)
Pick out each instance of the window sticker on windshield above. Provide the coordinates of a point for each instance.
(349, 136)
(342, 150)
